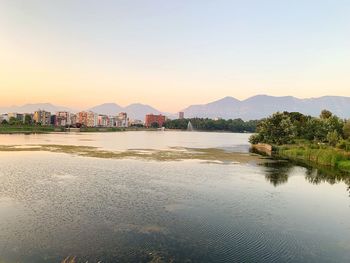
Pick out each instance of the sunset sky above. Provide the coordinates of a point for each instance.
(170, 54)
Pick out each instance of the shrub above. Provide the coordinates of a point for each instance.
(332, 138)
(344, 145)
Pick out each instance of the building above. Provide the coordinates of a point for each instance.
(42, 117)
(181, 115)
(152, 120)
(112, 121)
(63, 118)
(4, 117)
(87, 119)
(103, 121)
(122, 120)
(73, 120)
(17, 116)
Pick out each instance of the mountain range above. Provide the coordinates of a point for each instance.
(27, 108)
(261, 106)
(255, 107)
(134, 111)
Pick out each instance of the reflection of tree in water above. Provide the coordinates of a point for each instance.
(277, 173)
(331, 176)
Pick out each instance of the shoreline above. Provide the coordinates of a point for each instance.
(322, 156)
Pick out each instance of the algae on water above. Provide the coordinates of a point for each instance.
(212, 155)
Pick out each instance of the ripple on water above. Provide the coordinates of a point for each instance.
(110, 210)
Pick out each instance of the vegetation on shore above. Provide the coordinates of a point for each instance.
(323, 141)
(201, 124)
(18, 127)
(8, 129)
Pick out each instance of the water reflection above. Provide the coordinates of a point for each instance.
(54, 205)
(278, 173)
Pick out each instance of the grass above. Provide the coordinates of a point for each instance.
(8, 129)
(318, 154)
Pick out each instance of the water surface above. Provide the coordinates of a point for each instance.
(54, 205)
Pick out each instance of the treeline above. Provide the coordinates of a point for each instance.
(205, 124)
(287, 127)
(16, 122)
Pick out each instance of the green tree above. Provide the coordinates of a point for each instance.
(27, 119)
(4, 122)
(13, 121)
(325, 114)
(154, 125)
(277, 129)
(333, 138)
(346, 129)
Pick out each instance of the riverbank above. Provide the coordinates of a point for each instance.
(318, 154)
(315, 154)
(27, 129)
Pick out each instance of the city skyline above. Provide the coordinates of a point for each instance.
(171, 54)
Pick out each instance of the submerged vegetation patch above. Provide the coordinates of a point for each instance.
(212, 155)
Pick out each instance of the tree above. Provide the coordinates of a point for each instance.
(277, 129)
(326, 114)
(154, 125)
(346, 129)
(4, 122)
(333, 138)
(13, 121)
(27, 119)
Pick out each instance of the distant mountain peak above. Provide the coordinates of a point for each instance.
(134, 110)
(260, 106)
(32, 107)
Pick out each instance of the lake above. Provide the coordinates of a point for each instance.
(59, 201)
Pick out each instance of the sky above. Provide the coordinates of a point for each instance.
(171, 54)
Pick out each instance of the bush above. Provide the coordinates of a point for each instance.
(344, 145)
(255, 139)
(332, 138)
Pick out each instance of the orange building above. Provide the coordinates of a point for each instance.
(151, 118)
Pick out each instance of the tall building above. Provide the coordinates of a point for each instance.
(112, 121)
(181, 115)
(87, 118)
(151, 119)
(73, 120)
(122, 120)
(63, 118)
(43, 117)
(103, 121)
